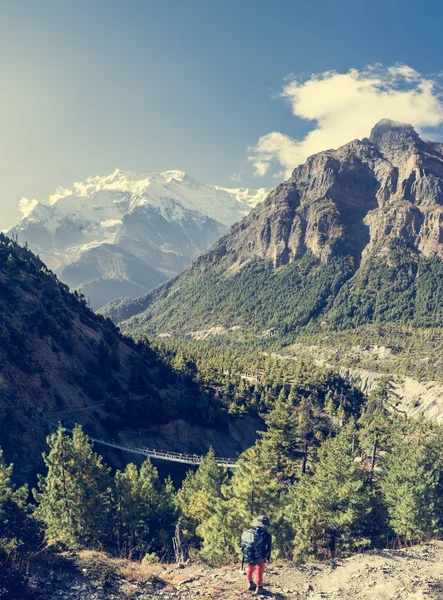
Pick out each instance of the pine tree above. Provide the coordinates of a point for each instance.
(412, 487)
(216, 533)
(7, 490)
(308, 425)
(330, 408)
(252, 490)
(145, 511)
(379, 419)
(198, 496)
(281, 448)
(75, 497)
(18, 530)
(329, 509)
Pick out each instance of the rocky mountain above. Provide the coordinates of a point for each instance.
(355, 235)
(125, 233)
(61, 361)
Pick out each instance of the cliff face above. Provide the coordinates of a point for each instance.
(352, 200)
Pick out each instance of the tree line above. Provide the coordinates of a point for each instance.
(301, 297)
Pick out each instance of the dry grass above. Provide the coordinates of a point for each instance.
(132, 571)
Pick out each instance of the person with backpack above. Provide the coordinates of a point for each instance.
(256, 545)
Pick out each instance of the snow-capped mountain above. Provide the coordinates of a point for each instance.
(125, 233)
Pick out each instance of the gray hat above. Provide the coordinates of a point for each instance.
(261, 521)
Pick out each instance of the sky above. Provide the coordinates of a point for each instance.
(235, 92)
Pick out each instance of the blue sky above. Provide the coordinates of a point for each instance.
(147, 85)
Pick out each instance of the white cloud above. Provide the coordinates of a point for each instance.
(235, 177)
(404, 72)
(26, 205)
(345, 106)
(60, 192)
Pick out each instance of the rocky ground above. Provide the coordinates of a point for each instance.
(410, 574)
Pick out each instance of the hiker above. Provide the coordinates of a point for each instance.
(256, 550)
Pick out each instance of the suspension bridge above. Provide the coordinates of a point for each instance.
(188, 459)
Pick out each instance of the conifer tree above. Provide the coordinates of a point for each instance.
(145, 512)
(412, 487)
(7, 490)
(308, 425)
(252, 490)
(282, 395)
(217, 533)
(329, 509)
(75, 496)
(281, 448)
(18, 530)
(379, 419)
(330, 408)
(198, 496)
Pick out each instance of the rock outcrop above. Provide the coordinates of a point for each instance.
(351, 200)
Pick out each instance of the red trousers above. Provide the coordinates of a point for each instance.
(260, 571)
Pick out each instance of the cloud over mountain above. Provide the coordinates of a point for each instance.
(26, 206)
(344, 106)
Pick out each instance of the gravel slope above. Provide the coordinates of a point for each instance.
(411, 574)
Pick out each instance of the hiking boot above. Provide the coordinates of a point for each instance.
(252, 586)
(260, 591)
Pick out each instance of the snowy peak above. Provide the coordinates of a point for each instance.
(163, 220)
(248, 196)
(106, 198)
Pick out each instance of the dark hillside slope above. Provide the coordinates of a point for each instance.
(59, 359)
(354, 236)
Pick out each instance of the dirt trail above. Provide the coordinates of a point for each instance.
(412, 574)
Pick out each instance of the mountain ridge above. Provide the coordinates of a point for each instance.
(163, 220)
(354, 235)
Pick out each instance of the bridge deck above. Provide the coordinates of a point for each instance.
(189, 459)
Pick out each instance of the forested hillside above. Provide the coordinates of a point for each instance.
(306, 294)
(60, 360)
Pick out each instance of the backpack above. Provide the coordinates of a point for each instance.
(252, 546)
